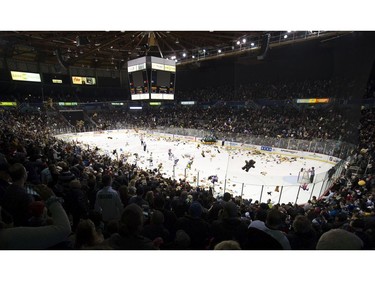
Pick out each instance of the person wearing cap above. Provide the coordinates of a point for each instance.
(339, 239)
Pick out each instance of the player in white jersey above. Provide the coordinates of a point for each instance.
(304, 179)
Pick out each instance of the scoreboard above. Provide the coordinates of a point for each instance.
(152, 78)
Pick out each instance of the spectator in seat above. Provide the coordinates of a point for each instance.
(302, 236)
(339, 239)
(86, 235)
(130, 229)
(197, 229)
(228, 245)
(229, 226)
(267, 236)
(156, 227)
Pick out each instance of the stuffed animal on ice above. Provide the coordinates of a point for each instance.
(248, 164)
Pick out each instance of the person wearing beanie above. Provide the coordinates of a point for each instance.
(339, 239)
(197, 228)
(229, 226)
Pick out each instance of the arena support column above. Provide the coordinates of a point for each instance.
(281, 192)
(226, 172)
(261, 193)
(299, 188)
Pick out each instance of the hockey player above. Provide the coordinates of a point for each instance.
(304, 180)
(160, 166)
(144, 146)
(136, 158)
(151, 160)
(188, 166)
(248, 164)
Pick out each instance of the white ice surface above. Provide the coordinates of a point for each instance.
(218, 160)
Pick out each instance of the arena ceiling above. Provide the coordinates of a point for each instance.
(112, 49)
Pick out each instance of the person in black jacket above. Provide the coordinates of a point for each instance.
(197, 228)
(303, 235)
(15, 199)
(77, 203)
(229, 226)
(130, 229)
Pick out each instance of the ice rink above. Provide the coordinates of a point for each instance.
(225, 162)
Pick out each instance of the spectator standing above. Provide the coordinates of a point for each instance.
(16, 200)
(108, 202)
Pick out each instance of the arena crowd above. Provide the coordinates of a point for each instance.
(59, 195)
